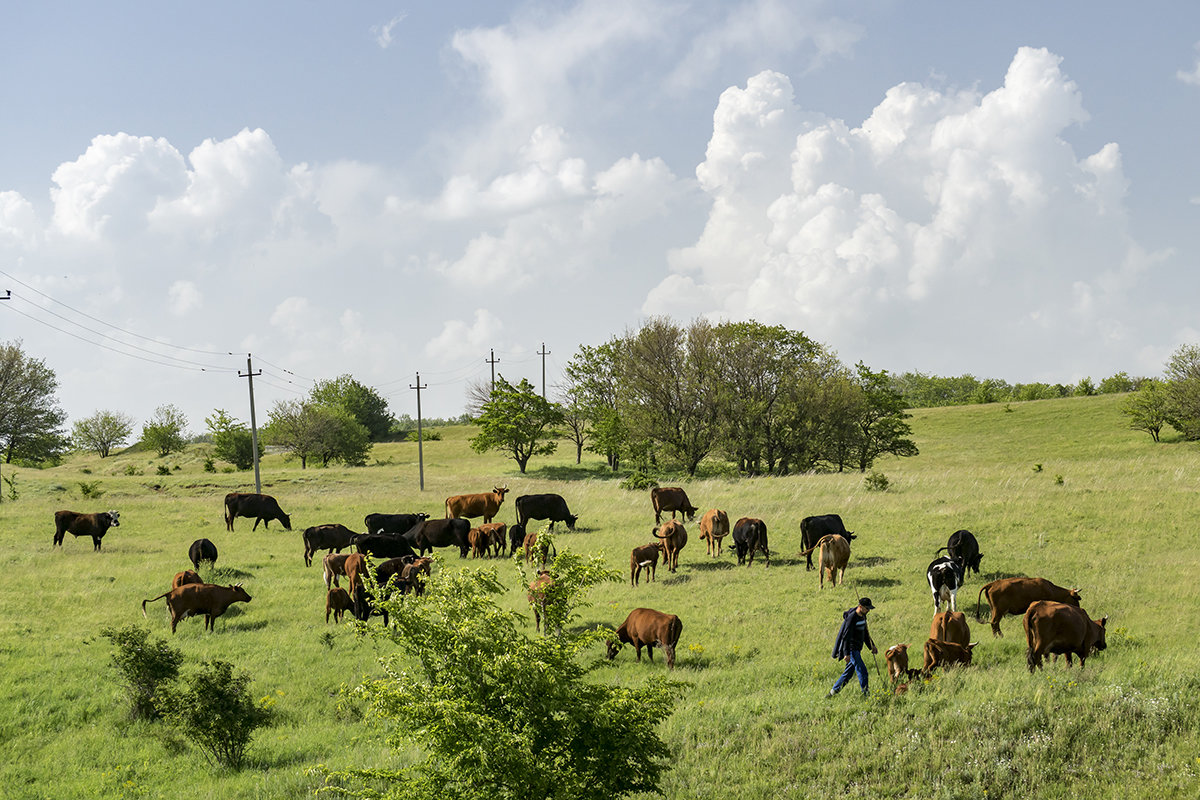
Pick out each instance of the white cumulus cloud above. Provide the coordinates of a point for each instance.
(462, 339)
(184, 297)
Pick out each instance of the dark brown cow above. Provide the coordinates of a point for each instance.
(645, 557)
(202, 550)
(1013, 596)
(480, 541)
(749, 535)
(950, 626)
(943, 654)
(714, 526)
(411, 576)
(645, 626)
(393, 567)
(674, 538)
(671, 498)
(194, 599)
(184, 578)
(540, 589)
(262, 507)
(533, 545)
(467, 506)
(441, 533)
(1053, 628)
(337, 601)
(329, 537)
(497, 533)
(76, 524)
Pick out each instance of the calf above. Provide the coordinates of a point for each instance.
(749, 535)
(714, 526)
(964, 546)
(835, 555)
(645, 626)
(356, 570)
(896, 657)
(945, 576)
(646, 557)
(77, 524)
(540, 590)
(184, 578)
(481, 542)
(411, 576)
(337, 600)
(326, 537)
(194, 599)
(335, 565)
(950, 626)
(393, 568)
(202, 550)
(813, 529)
(262, 507)
(942, 654)
(538, 546)
(1053, 628)
(1013, 596)
(674, 538)
(497, 535)
(671, 498)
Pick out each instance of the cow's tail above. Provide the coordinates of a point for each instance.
(979, 605)
(152, 599)
(940, 549)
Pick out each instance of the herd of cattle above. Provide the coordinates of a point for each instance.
(1053, 620)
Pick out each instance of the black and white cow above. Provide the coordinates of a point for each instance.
(945, 576)
(964, 546)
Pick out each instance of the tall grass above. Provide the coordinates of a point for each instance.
(754, 722)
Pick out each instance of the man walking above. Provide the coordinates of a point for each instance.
(849, 645)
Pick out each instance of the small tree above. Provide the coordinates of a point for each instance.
(145, 665)
(1147, 409)
(1183, 391)
(310, 430)
(216, 711)
(232, 440)
(517, 421)
(31, 421)
(102, 431)
(166, 432)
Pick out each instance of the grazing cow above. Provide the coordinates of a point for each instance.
(442, 533)
(194, 599)
(184, 578)
(262, 507)
(516, 538)
(480, 541)
(535, 545)
(355, 566)
(393, 523)
(896, 657)
(202, 550)
(544, 506)
(750, 534)
(326, 537)
(76, 524)
(835, 554)
(335, 565)
(540, 589)
(337, 600)
(363, 605)
(411, 576)
(714, 526)
(645, 626)
(963, 545)
(674, 538)
(497, 535)
(943, 654)
(671, 498)
(645, 557)
(383, 545)
(468, 506)
(393, 567)
(1013, 596)
(1052, 627)
(813, 529)
(950, 626)
(945, 576)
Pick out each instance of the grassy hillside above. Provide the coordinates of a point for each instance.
(1053, 488)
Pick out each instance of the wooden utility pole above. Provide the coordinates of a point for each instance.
(493, 361)
(250, 373)
(543, 353)
(420, 450)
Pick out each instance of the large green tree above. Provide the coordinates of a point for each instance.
(102, 431)
(31, 421)
(592, 376)
(518, 422)
(1183, 390)
(232, 440)
(166, 432)
(310, 430)
(1148, 408)
(880, 422)
(363, 403)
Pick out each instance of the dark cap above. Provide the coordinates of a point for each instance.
(865, 602)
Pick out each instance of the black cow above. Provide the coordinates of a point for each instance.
(393, 523)
(76, 524)
(325, 537)
(442, 533)
(364, 606)
(544, 506)
(750, 534)
(262, 507)
(516, 538)
(393, 566)
(813, 528)
(384, 545)
(945, 576)
(963, 545)
(202, 550)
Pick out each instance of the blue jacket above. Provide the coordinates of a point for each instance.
(852, 636)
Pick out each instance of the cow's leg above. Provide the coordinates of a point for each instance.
(95, 544)
(638, 645)
(650, 645)
(996, 624)
(953, 599)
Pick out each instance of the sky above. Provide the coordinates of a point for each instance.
(385, 189)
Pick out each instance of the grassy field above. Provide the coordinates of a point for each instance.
(1054, 488)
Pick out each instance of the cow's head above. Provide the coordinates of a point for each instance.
(1073, 597)
(286, 520)
(500, 491)
(849, 535)
(612, 646)
(239, 593)
(571, 521)
(691, 512)
(112, 519)
(1101, 643)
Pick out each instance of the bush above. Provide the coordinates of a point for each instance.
(133, 470)
(91, 489)
(144, 665)
(163, 469)
(217, 712)
(210, 465)
(876, 482)
(639, 482)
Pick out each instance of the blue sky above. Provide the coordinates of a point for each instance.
(381, 189)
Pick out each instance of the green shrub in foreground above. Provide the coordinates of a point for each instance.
(216, 711)
(145, 665)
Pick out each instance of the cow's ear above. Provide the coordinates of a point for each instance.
(1103, 621)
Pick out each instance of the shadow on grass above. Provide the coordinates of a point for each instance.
(225, 574)
(247, 625)
(988, 577)
(874, 582)
(672, 580)
(711, 565)
(873, 561)
(574, 473)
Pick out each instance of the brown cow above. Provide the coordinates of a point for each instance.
(539, 596)
(262, 507)
(646, 557)
(335, 565)
(411, 576)
(896, 657)
(1052, 627)
(497, 534)
(184, 578)
(480, 541)
(714, 526)
(194, 599)
(77, 524)
(942, 654)
(645, 626)
(674, 538)
(326, 537)
(337, 600)
(1013, 596)
(835, 554)
(950, 626)
(356, 569)
(533, 545)
(671, 498)
(466, 506)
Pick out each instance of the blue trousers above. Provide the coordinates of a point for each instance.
(856, 665)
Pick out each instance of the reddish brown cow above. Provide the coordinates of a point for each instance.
(194, 599)
(714, 526)
(356, 569)
(540, 547)
(674, 537)
(645, 557)
(262, 507)
(835, 554)
(896, 657)
(942, 654)
(411, 576)
(184, 578)
(950, 626)
(540, 589)
(77, 524)
(480, 541)
(671, 498)
(467, 506)
(335, 565)
(337, 600)
(1053, 628)
(645, 626)
(1013, 596)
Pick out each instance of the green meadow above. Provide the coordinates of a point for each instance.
(1055, 488)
